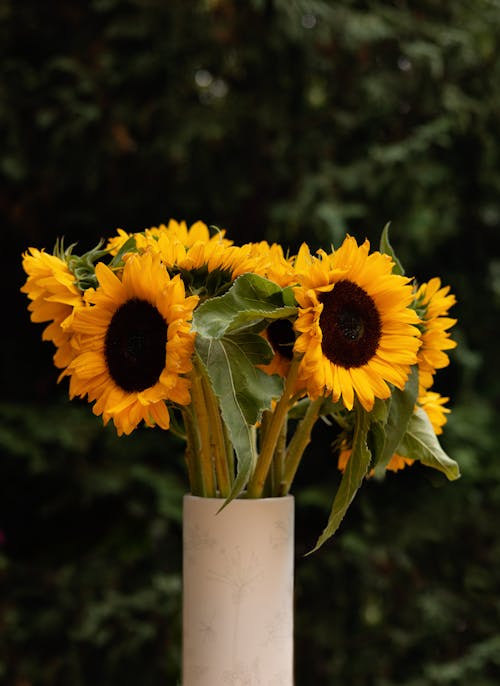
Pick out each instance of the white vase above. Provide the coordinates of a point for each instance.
(238, 592)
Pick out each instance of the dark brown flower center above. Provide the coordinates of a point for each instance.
(281, 336)
(350, 324)
(134, 347)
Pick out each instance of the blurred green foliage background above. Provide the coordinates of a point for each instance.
(289, 120)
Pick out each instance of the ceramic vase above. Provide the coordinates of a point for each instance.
(238, 565)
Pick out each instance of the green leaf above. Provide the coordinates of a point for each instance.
(243, 391)
(353, 476)
(401, 406)
(289, 297)
(380, 410)
(386, 247)
(421, 443)
(376, 442)
(250, 299)
(230, 347)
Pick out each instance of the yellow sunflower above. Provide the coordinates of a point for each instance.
(435, 302)
(178, 245)
(196, 233)
(134, 344)
(54, 296)
(357, 333)
(159, 239)
(191, 249)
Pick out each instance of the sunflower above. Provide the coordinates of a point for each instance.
(174, 233)
(434, 301)
(54, 296)
(196, 233)
(134, 344)
(199, 256)
(357, 333)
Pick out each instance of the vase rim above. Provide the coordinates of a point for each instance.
(239, 499)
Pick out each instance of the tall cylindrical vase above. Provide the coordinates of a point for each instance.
(238, 592)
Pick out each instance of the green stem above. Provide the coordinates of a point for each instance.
(265, 422)
(300, 440)
(192, 453)
(256, 484)
(278, 464)
(205, 464)
(218, 438)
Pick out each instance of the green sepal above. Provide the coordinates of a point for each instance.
(386, 247)
(83, 266)
(421, 443)
(204, 283)
(352, 478)
(251, 298)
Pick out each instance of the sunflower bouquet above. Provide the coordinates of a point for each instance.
(242, 349)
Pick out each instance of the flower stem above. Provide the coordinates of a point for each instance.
(278, 464)
(191, 453)
(218, 438)
(300, 440)
(273, 431)
(204, 452)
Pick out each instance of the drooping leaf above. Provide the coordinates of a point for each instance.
(251, 298)
(376, 442)
(400, 409)
(380, 410)
(242, 389)
(355, 472)
(421, 443)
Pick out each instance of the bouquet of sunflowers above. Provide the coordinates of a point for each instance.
(242, 349)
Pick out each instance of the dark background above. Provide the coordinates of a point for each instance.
(274, 119)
